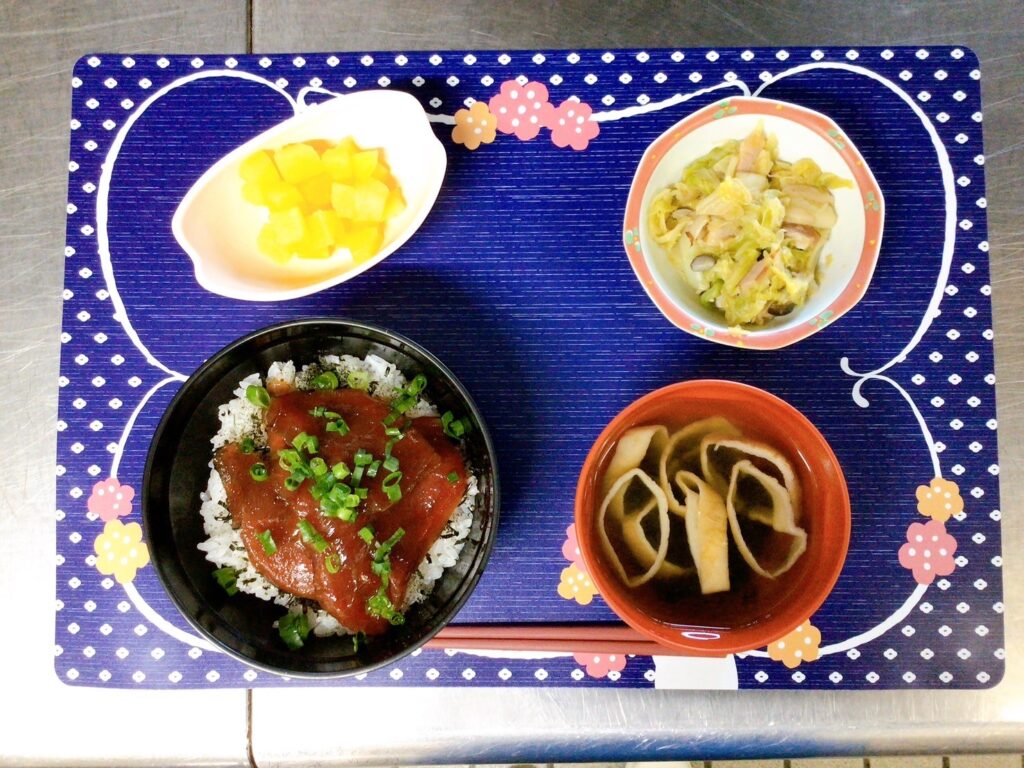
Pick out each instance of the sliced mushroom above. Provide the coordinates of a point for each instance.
(703, 263)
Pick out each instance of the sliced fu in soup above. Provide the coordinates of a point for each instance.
(719, 454)
(762, 519)
(682, 453)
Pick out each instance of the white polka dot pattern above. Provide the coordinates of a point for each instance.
(952, 638)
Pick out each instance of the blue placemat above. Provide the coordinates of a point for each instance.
(519, 282)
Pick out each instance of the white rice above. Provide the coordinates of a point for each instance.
(240, 419)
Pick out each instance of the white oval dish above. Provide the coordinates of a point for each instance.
(217, 228)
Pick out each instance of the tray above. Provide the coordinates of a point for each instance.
(518, 280)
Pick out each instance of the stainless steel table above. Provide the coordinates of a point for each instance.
(44, 723)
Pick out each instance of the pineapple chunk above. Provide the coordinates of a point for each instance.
(316, 191)
(298, 162)
(310, 247)
(337, 161)
(395, 204)
(371, 197)
(363, 241)
(279, 196)
(252, 192)
(288, 226)
(363, 164)
(267, 242)
(322, 227)
(343, 200)
(259, 168)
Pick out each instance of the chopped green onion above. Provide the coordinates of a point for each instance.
(352, 501)
(316, 492)
(393, 432)
(357, 475)
(358, 379)
(453, 477)
(326, 380)
(318, 412)
(258, 472)
(340, 470)
(357, 639)
(383, 571)
(267, 540)
(455, 428)
(293, 482)
(294, 629)
(403, 403)
(391, 464)
(332, 562)
(289, 458)
(371, 471)
(366, 534)
(381, 606)
(307, 443)
(339, 492)
(348, 514)
(339, 426)
(319, 466)
(331, 415)
(362, 458)
(384, 549)
(419, 383)
(257, 395)
(362, 493)
(311, 536)
(391, 487)
(227, 578)
(248, 445)
(390, 419)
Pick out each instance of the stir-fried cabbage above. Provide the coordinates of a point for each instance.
(746, 229)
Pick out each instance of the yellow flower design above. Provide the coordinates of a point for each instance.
(576, 585)
(120, 551)
(939, 500)
(474, 126)
(798, 646)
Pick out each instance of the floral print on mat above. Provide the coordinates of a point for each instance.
(120, 551)
(939, 500)
(474, 126)
(110, 500)
(576, 585)
(571, 125)
(571, 547)
(602, 665)
(929, 551)
(521, 109)
(800, 645)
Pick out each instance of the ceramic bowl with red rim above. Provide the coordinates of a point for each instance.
(755, 611)
(849, 255)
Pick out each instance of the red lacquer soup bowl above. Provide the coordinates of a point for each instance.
(756, 611)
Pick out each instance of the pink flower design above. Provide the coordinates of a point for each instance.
(928, 551)
(110, 500)
(571, 125)
(521, 109)
(571, 547)
(602, 665)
